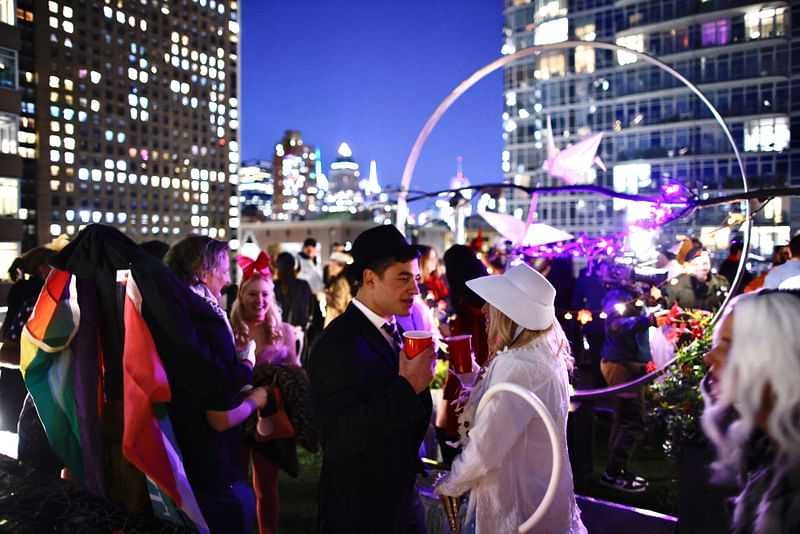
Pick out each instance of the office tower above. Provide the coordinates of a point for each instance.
(295, 168)
(656, 132)
(130, 116)
(256, 191)
(344, 192)
(10, 162)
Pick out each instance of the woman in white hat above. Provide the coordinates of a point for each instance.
(505, 463)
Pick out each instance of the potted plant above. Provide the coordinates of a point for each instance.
(675, 410)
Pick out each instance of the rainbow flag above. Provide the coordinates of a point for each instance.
(47, 364)
(148, 440)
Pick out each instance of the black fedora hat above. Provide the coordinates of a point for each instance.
(383, 241)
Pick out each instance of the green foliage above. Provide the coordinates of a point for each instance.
(675, 401)
(440, 374)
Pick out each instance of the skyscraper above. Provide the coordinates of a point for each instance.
(345, 190)
(656, 132)
(10, 162)
(129, 116)
(256, 191)
(295, 168)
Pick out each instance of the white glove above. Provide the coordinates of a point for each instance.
(468, 379)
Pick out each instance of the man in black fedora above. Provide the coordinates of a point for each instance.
(372, 405)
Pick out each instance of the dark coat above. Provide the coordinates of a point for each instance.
(627, 333)
(371, 424)
(689, 292)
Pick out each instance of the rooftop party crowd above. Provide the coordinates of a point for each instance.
(141, 372)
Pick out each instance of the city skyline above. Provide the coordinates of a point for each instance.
(355, 76)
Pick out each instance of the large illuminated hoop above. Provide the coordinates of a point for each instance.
(555, 446)
(413, 156)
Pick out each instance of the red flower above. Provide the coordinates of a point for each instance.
(650, 367)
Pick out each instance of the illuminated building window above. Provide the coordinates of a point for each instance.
(584, 59)
(9, 196)
(765, 24)
(716, 32)
(8, 133)
(550, 66)
(552, 31)
(767, 135)
(8, 68)
(634, 42)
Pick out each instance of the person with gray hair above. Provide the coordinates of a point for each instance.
(752, 406)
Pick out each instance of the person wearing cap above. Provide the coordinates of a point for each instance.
(698, 288)
(371, 404)
(504, 463)
(310, 270)
(335, 247)
(624, 358)
(338, 293)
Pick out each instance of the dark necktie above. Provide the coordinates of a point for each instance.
(391, 329)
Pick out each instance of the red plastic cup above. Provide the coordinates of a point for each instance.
(415, 341)
(460, 348)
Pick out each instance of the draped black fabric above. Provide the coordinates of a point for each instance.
(168, 308)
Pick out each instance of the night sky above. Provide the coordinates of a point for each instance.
(370, 73)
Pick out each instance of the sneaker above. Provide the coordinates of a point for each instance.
(626, 482)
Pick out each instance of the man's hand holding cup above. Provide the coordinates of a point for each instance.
(417, 359)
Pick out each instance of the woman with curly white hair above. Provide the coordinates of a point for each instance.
(752, 412)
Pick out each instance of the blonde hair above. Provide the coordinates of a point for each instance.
(271, 324)
(501, 336)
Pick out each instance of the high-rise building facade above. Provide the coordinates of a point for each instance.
(298, 188)
(743, 55)
(256, 191)
(10, 162)
(344, 192)
(129, 116)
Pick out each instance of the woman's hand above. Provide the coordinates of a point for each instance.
(248, 353)
(260, 396)
(469, 379)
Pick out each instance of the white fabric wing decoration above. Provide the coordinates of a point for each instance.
(572, 163)
(516, 231)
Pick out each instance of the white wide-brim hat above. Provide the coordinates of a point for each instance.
(521, 293)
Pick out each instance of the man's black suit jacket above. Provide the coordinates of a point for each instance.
(371, 424)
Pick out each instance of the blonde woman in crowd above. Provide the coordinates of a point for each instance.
(257, 326)
(505, 463)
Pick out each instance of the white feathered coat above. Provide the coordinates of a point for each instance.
(506, 459)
